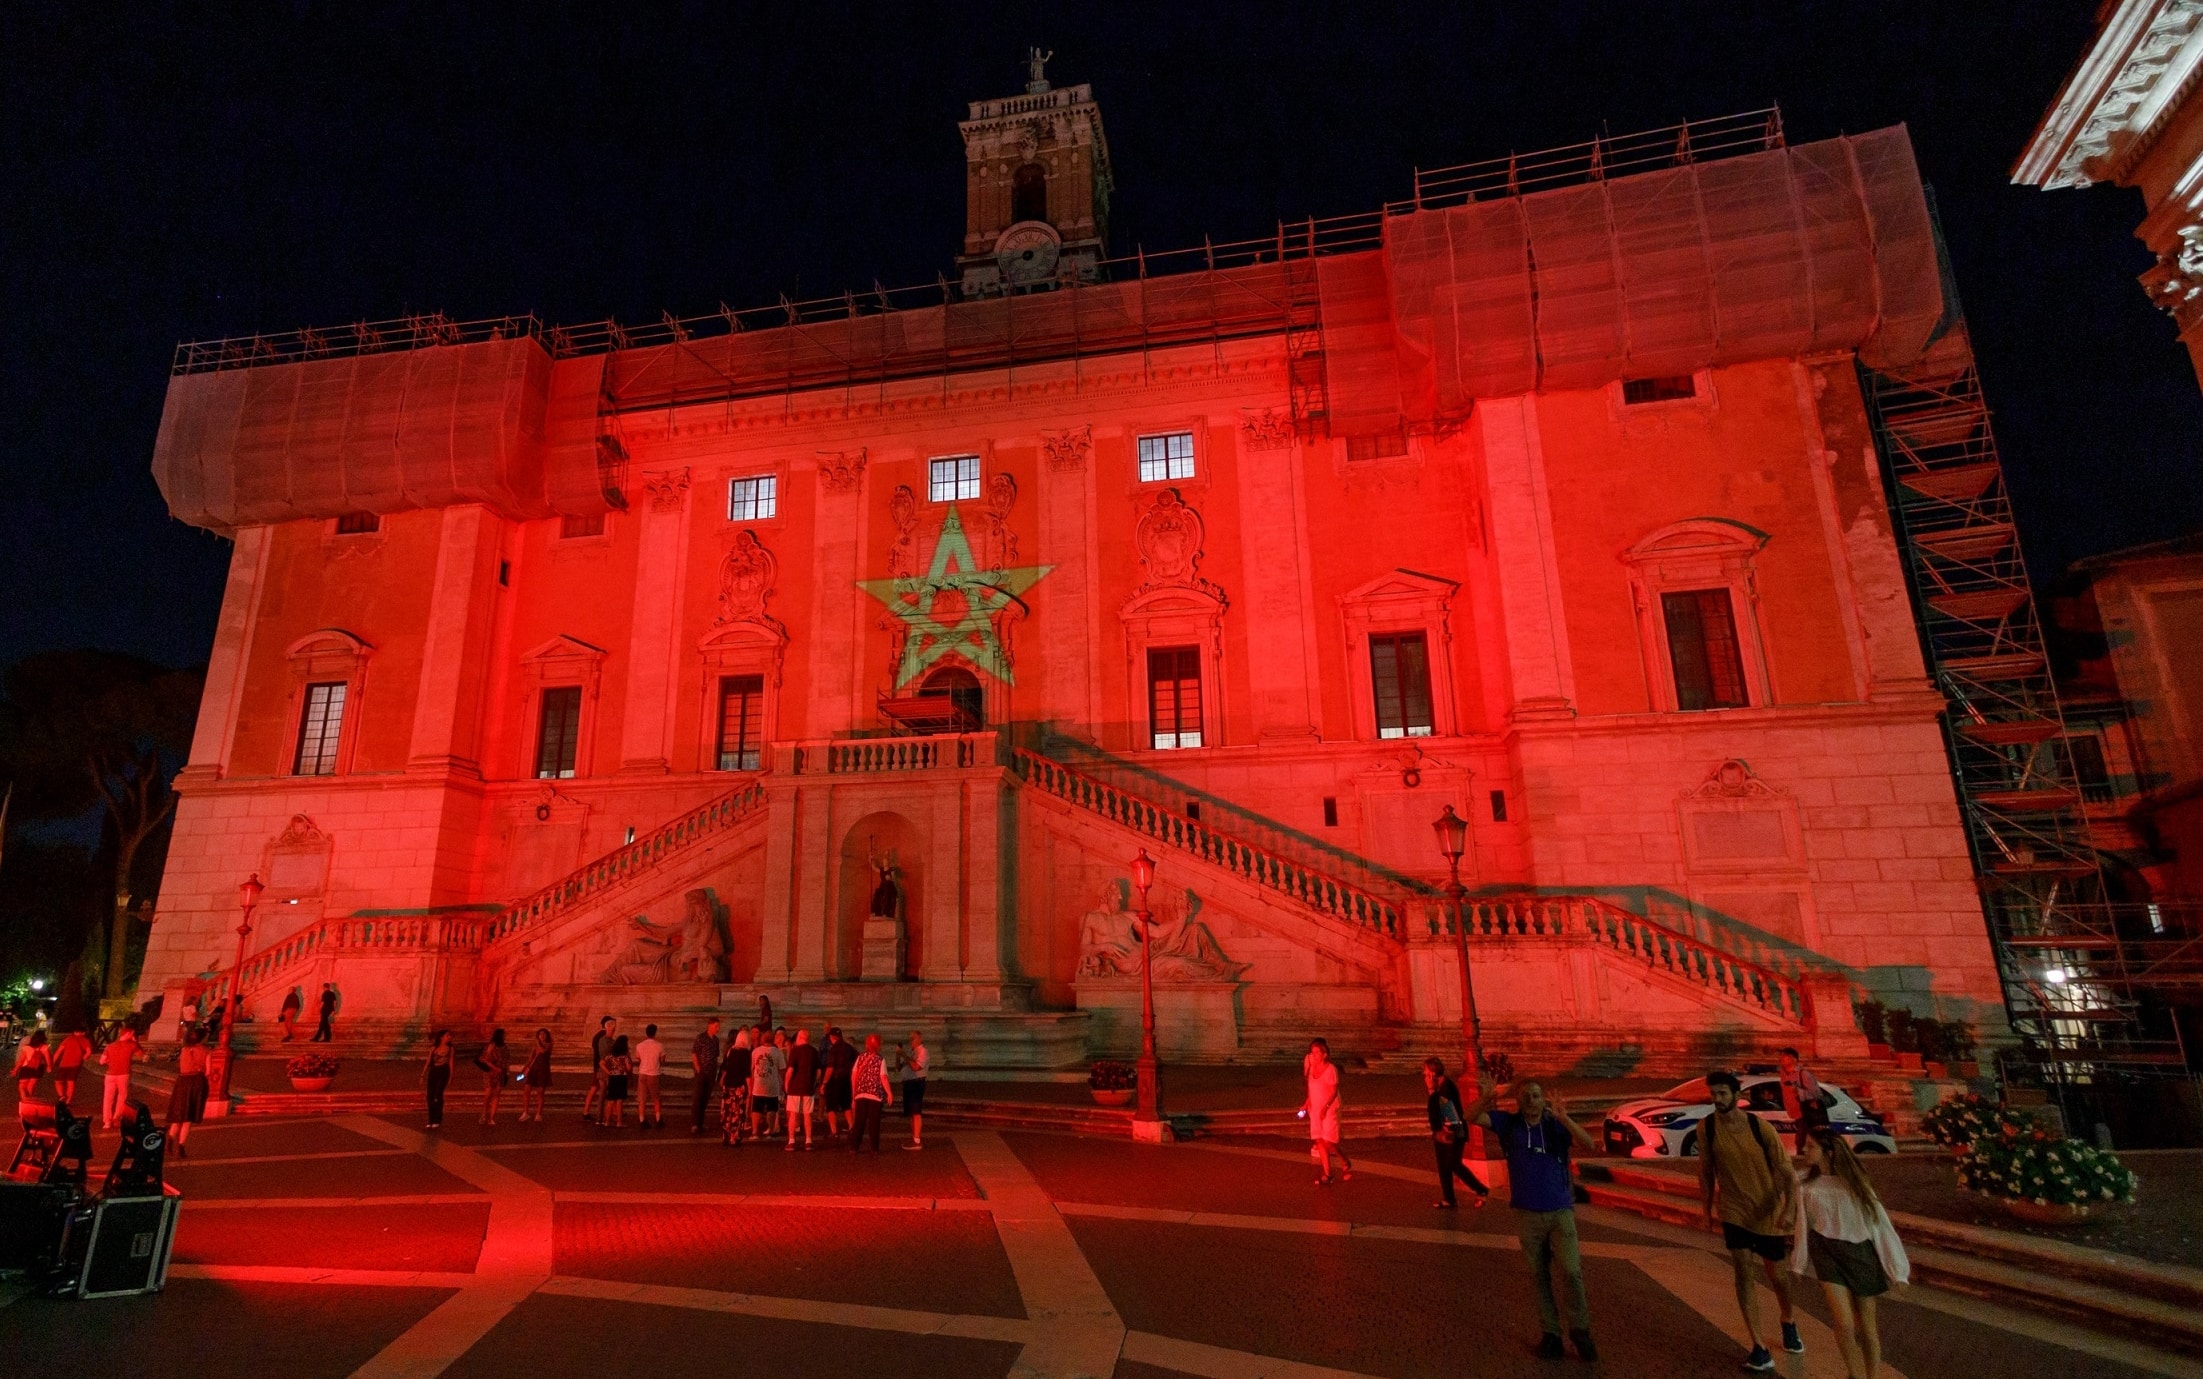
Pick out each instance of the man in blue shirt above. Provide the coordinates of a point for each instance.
(1538, 1137)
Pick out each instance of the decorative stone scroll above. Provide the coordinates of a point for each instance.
(1170, 537)
(1067, 451)
(746, 580)
(841, 470)
(1269, 429)
(997, 542)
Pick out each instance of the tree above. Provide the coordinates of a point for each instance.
(93, 740)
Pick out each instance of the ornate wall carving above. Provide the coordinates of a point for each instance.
(841, 470)
(668, 488)
(1269, 429)
(1067, 451)
(1170, 537)
(746, 580)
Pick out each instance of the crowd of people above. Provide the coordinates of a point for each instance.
(767, 1083)
(60, 1058)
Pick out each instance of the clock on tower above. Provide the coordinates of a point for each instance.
(1036, 187)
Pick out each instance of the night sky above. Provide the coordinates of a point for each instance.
(175, 175)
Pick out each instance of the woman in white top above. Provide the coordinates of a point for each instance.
(1845, 1239)
(1322, 1110)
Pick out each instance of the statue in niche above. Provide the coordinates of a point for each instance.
(884, 939)
(1184, 949)
(703, 943)
(647, 960)
(1109, 938)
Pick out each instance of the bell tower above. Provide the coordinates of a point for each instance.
(1036, 187)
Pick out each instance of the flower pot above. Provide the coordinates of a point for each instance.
(1880, 1053)
(2042, 1213)
(1910, 1062)
(1938, 1071)
(311, 1084)
(1122, 1096)
(1969, 1069)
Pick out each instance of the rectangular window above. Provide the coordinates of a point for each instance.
(1399, 668)
(1166, 457)
(953, 478)
(319, 730)
(1709, 665)
(558, 736)
(1669, 388)
(1499, 806)
(572, 526)
(1330, 811)
(1385, 445)
(741, 722)
(1174, 696)
(753, 499)
(358, 524)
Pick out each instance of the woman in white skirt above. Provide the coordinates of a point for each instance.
(1322, 1110)
(1845, 1239)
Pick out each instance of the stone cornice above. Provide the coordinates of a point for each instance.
(2144, 61)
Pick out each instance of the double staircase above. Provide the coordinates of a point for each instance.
(1372, 918)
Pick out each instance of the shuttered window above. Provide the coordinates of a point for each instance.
(320, 728)
(1174, 696)
(1702, 647)
(558, 736)
(1399, 670)
(741, 722)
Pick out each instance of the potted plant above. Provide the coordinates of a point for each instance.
(1904, 1040)
(1111, 1082)
(1956, 1122)
(1874, 1024)
(1960, 1037)
(311, 1072)
(2036, 1177)
(1935, 1051)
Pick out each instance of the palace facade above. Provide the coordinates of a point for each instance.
(848, 654)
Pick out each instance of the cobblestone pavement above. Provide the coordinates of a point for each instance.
(360, 1245)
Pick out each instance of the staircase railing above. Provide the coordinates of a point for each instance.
(1659, 947)
(1295, 880)
(624, 863)
(371, 935)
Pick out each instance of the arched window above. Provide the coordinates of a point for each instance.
(961, 688)
(1029, 193)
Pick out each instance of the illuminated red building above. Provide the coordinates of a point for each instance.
(564, 671)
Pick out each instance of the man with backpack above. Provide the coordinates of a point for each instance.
(1744, 1173)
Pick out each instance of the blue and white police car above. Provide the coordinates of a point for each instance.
(1666, 1126)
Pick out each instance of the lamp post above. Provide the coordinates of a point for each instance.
(233, 1001)
(1453, 841)
(1147, 1120)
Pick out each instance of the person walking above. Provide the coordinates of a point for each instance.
(33, 1059)
(436, 1075)
(734, 1091)
(325, 1029)
(913, 1063)
(1449, 1135)
(600, 1048)
(650, 1075)
(802, 1086)
(870, 1091)
(495, 1062)
(1537, 1138)
(69, 1059)
(115, 1060)
(187, 1100)
(841, 1058)
(293, 1003)
(619, 1065)
(535, 1079)
(703, 1063)
(1322, 1112)
(1744, 1174)
(767, 1067)
(1801, 1097)
(1845, 1239)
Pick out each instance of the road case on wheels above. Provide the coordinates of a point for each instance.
(124, 1244)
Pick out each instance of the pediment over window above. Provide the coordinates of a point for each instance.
(328, 641)
(1172, 601)
(1403, 588)
(569, 650)
(1699, 536)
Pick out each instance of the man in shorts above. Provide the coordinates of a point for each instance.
(69, 1057)
(801, 1086)
(650, 1076)
(768, 1066)
(1744, 1174)
(913, 1062)
(600, 1044)
(841, 1059)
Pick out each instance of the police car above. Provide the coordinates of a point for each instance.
(1666, 1126)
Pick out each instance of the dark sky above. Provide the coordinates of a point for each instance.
(180, 175)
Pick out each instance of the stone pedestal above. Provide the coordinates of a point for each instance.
(883, 950)
(1195, 1021)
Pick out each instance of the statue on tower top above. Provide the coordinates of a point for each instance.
(1036, 74)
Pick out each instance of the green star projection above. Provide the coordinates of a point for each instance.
(976, 594)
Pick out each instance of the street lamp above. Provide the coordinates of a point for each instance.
(218, 1063)
(1147, 1120)
(1453, 841)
